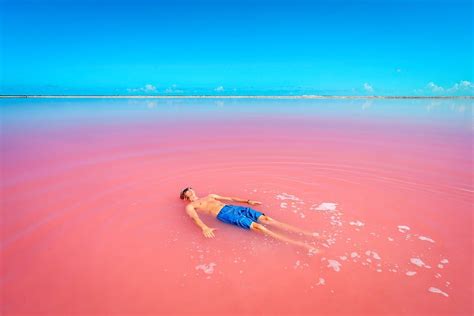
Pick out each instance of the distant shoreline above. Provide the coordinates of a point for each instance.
(224, 97)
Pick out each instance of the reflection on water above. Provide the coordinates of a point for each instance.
(91, 209)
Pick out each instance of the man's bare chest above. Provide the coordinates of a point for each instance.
(206, 205)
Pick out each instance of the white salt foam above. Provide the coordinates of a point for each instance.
(419, 262)
(334, 264)
(410, 273)
(373, 254)
(403, 228)
(438, 291)
(286, 196)
(426, 239)
(207, 268)
(444, 261)
(326, 206)
(321, 282)
(356, 223)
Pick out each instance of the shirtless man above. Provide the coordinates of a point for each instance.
(244, 217)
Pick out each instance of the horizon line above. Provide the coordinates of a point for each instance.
(99, 96)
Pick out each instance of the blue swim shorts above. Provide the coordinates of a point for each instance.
(238, 215)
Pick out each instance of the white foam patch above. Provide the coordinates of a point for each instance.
(207, 268)
(357, 223)
(426, 239)
(321, 282)
(331, 241)
(343, 258)
(437, 291)
(410, 273)
(354, 254)
(283, 204)
(334, 264)
(390, 239)
(326, 206)
(403, 228)
(440, 266)
(444, 261)
(286, 196)
(419, 262)
(373, 254)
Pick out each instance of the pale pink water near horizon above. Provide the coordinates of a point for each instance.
(92, 223)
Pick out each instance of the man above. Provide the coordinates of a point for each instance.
(244, 217)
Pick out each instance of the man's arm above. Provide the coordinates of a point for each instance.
(225, 198)
(193, 214)
(208, 232)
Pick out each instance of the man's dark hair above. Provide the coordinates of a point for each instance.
(181, 195)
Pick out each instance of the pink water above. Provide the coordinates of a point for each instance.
(92, 222)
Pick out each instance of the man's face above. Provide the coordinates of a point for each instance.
(189, 193)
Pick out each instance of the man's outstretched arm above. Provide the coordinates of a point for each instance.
(236, 199)
(207, 231)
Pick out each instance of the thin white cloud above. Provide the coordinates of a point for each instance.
(173, 89)
(434, 87)
(147, 88)
(368, 87)
(219, 89)
(462, 85)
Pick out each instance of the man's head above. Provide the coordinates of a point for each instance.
(186, 193)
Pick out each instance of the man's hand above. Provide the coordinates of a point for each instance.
(208, 232)
(254, 202)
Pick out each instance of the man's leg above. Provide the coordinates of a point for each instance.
(260, 228)
(273, 222)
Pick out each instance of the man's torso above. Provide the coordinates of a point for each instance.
(208, 205)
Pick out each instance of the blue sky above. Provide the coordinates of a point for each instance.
(385, 47)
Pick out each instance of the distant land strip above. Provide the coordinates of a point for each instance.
(227, 97)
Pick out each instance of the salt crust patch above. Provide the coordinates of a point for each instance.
(419, 262)
(426, 239)
(286, 196)
(334, 264)
(437, 291)
(373, 254)
(326, 206)
(403, 228)
(357, 223)
(207, 268)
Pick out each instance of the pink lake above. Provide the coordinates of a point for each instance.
(92, 223)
